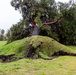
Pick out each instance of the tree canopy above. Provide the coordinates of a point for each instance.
(39, 12)
(35, 7)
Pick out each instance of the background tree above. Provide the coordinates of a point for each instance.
(68, 21)
(2, 37)
(17, 31)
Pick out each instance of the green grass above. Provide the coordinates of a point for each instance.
(2, 43)
(65, 65)
(72, 47)
(20, 47)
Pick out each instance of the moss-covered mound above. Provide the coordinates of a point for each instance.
(33, 47)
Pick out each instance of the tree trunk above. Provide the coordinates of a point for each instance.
(35, 31)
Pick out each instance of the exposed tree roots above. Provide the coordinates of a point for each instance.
(7, 58)
(31, 52)
(62, 53)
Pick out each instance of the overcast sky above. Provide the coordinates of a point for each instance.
(9, 16)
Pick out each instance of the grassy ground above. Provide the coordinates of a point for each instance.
(2, 43)
(72, 47)
(65, 65)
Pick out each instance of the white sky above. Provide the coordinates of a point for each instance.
(62, 0)
(9, 16)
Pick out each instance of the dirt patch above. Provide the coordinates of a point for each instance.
(62, 53)
(7, 58)
(31, 52)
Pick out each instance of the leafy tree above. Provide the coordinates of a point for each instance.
(2, 31)
(33, 7)
(2, 37)
(37, 12)
(68, 21)
(17, 31)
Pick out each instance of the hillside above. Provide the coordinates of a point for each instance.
(32, 47)
(63, 65)
(2, 43)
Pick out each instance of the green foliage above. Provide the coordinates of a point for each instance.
(30, 8)
(66, 32)
(35, 6)
(46, 31)
(17, 32)
(68, 22)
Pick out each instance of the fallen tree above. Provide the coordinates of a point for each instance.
(34, 47)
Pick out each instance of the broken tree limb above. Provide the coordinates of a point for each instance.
(50, 23)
